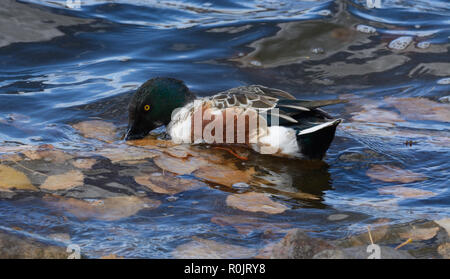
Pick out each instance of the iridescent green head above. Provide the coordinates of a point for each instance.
(152, 105)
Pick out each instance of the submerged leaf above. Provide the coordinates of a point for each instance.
(200, 248)
(11, 178)
(63, 181)
(247, 224)
(151, 142)
(177, 152)
(167, 183)
(179, 166)
(226, 174)
(255, 202)
(109, 209)
(405, 192)
(421, 109)
(420, 233)
(84, 163)
(97, 129)
(48, 153)
(377, 115)
(388, 173)
(126, 153)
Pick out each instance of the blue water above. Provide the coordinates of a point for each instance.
(61, 65)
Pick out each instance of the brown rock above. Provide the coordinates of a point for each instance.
(298, 245)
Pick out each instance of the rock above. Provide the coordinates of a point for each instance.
(298, 245)
(365, 29)
(418, 234)
(444, 223)
(400, 43)
(11, 178)
(63, 181)
(360, 252)
(200, 248)
(248, 224)
(15, 247)
(444, 250)
(330, 254)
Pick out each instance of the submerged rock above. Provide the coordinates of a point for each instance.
(15, 247)
(400, 43)
(298, 245)
(360, 252)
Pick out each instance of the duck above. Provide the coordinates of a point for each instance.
(267, 120)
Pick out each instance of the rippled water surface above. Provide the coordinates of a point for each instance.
(60, 66)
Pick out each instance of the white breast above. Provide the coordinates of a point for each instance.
(279, 140)
(179, 127)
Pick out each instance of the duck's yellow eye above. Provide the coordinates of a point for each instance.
(147, 107)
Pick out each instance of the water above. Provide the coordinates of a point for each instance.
(63, 65)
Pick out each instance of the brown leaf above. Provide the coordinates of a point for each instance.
(109, 209)
(47, 152)
(84, 163)
(151, 142)
(255, 202)
(179, 166)
(167, 183)
(388, 173)
(226, 174)
(405, 192)
(97, 129)
(420, 233)
(126, 153)
(111, 257)
(63, 181)
(200, 248)
(421, 109)
(178, 152)
(377, 115)
(11, 178)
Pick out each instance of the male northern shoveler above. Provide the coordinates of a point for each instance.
(295, 128)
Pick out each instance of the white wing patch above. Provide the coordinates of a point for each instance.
(319, 127)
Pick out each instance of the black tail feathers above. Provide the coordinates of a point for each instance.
(315, 141)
